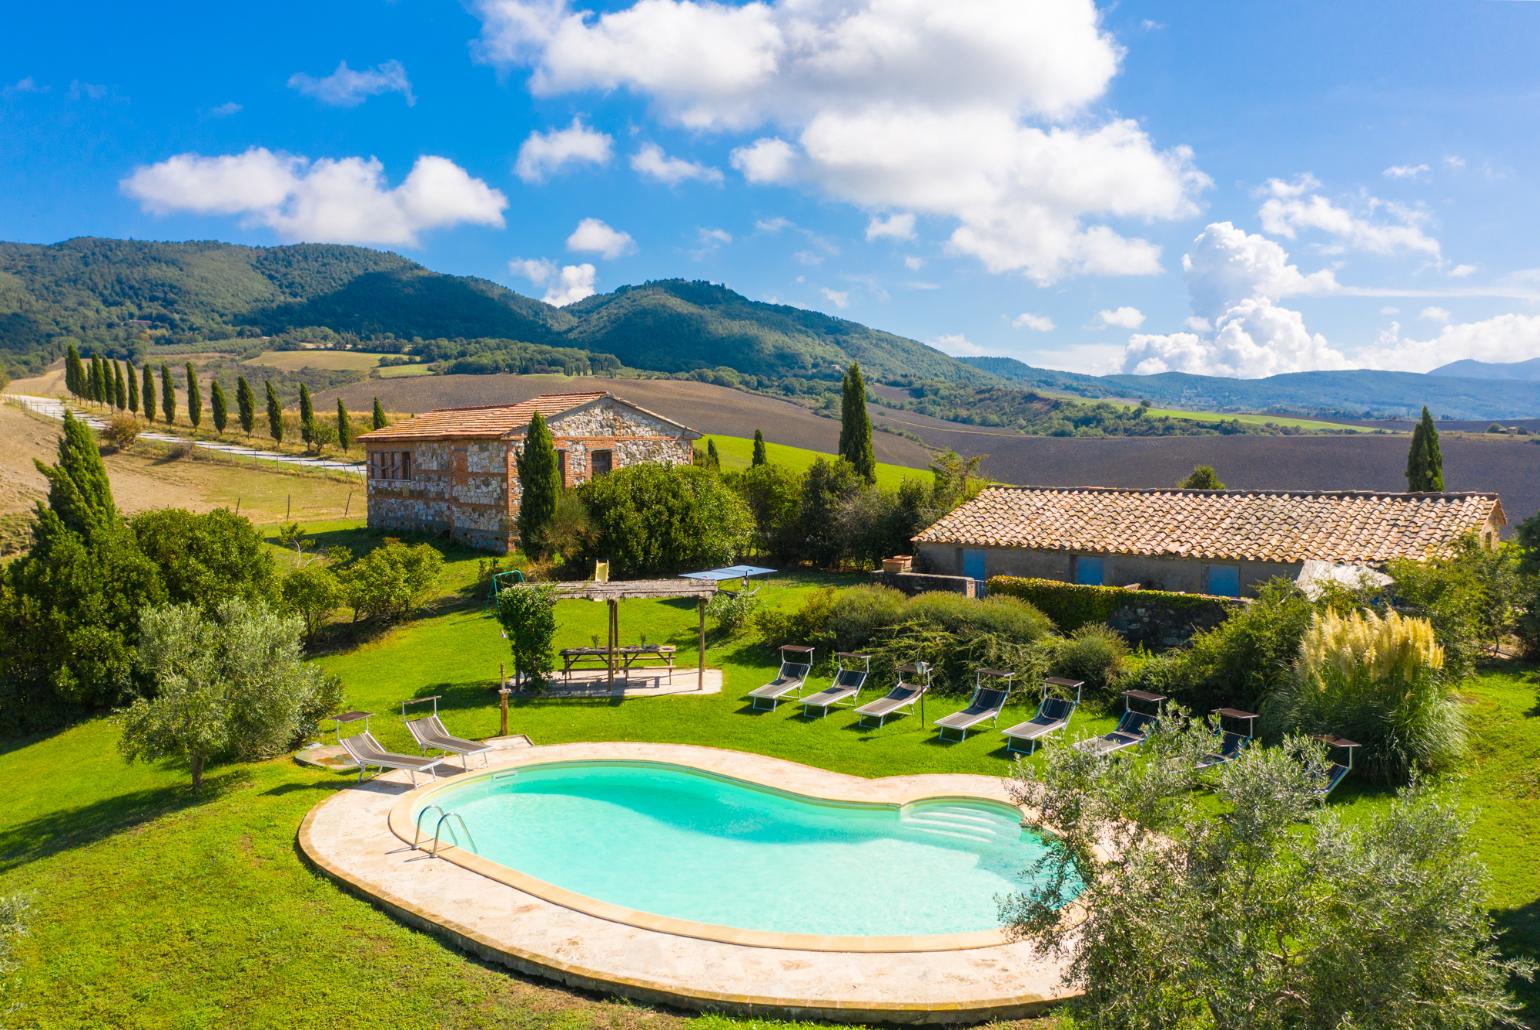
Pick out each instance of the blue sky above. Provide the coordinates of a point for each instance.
(1230, 188)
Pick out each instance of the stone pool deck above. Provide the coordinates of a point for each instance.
(349, 838)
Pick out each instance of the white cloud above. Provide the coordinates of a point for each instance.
(538, 271)
(593, 236)
(652, 162)
(716, 236)
(773, 225)
(957, 345)
(225, 110)
(572, 284)
(23, 85)
(1226, 265)
(544, 154)
(347, 87)
(1122, 317)
(342, 200)
(765, 160)
(1390, 309)
(81, 90)
(1036, 323)
(839, 298)
(1198, 324)
(1435, 314)
(1291, 207)
(897, 226)
(914, 262)
(1509, 337)
(1407, 171)
(1454, 161)
(1462, 271)
(980, 112)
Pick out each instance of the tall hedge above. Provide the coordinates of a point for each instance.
(1073, 605)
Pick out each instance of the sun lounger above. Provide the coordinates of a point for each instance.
(845, 691)
(991, 689)
(1132, 727)
(796, 663)
(1235, 730)
(431, 735)
(367, 751)
(913, 680)
(1053, 715)
(1336, 771)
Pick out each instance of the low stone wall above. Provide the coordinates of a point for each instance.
(923, 582)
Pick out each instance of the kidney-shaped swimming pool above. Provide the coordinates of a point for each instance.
(689, 845)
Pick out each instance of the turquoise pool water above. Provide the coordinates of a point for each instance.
(672, 841)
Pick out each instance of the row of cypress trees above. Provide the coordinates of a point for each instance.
(101, 380)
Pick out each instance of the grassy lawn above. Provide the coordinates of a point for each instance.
(402, 371)
(738, 451)
(158, 908)
(337, 360)
(1260, 420)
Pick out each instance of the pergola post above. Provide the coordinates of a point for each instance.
(614, 635)
(700, 668)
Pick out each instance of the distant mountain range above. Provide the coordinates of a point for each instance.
(129, 296)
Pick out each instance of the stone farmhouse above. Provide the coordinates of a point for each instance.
(454, 471)
(1196, 541)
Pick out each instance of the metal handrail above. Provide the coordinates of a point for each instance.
(437, 830)
(417, 830)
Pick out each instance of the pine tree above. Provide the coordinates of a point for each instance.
(1425, 459)
(344, 427)
(74, 372)
(540, 487)
(245, 405)
(274, 414)
(379, 415)
(855, 427)
(220, 408)
(78, 491)
(306, 415)
(147, 394)
(167, 395)
(119, 387)
(133, 387)
(194, 398)
(760, 457)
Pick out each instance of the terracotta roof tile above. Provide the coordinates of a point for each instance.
(481, 423)
(1341, 526)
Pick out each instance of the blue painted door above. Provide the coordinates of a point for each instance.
(973, 565)
(1224, 580)
(1090, 571)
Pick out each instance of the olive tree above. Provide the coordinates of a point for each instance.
(227, 685)
(1280, 913)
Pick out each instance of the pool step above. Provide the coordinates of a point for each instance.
(961, 824)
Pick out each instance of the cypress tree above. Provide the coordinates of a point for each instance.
(119, 387)
(132, 375)
(344, 427)
(760, 457)
(220, 408)
(147, 393)
(274, 414)
(856, 427)
(540, 487)
(74, 371)
(245, 405)
(94, 380)
(78, 491)
(306, 415)
(167, 395)
(379, 415)
(1425, 459)
(194, 398)
(103, 382)
(713, 457)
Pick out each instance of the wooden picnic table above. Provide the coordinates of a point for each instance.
(626, 656)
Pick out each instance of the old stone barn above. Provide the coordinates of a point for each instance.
(454, 471)
(1195, 541)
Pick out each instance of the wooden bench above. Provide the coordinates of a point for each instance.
(625, 658)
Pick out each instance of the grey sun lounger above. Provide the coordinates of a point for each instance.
(985, 705)
(1132, 727)
(1053, 715)
(903, 695)
(796, 664)
(846, 688)
(432, 735)
(1337, 771)
(364, 749)
(1231, 741)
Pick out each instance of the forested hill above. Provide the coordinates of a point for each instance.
(126, 295)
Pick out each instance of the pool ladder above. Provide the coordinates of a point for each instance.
(438, 830)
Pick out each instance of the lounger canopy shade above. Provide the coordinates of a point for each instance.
(432, 735)
(850, 673)
(730, 572)
(912, 683)
(1141, 711)
(1235, 730)
(991, 690)
(1052, 716)
(366, 751)
(796, 665)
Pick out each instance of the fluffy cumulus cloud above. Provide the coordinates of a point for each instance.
(839, 298)
(565, 285)
(957, 345)
(1378, 227)
(593, 236)
(328, 200)
(1122, 318)
(349, 87)
(1508, 337)
(545, 154)
(653, 163)
(1036, 323)
(899, 226)
(1434, 313)
(980, 113)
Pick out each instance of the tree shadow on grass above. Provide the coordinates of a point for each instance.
(1520, 935)
(77, 827)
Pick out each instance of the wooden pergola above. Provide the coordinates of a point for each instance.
(643, 589)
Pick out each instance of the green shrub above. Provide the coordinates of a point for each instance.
(732, 609)
(1093, 654)
(956, 656)
(859, 614)
(312, 593)
(774, 496)
(391, 580)
(1472, 598)
(528, 618)
(1378, 681)
(1072, 605)
(806, 624)
(1008, 617)
(653, 519)
(207, 558)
